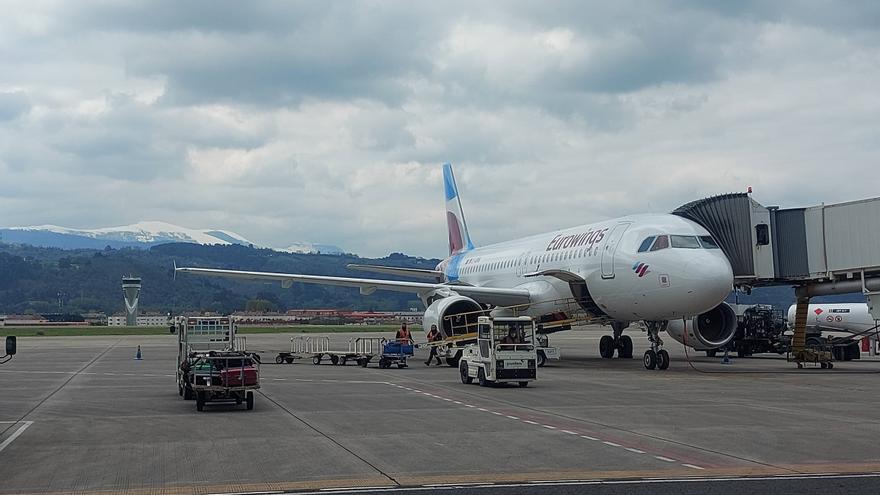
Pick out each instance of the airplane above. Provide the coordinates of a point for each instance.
(659, 269)
(851, 318)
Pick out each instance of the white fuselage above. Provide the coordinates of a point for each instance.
(843, 317)
(626, 284)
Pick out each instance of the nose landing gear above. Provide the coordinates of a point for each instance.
(623, 344)
(656, 357)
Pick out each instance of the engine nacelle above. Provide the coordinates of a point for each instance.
(709, 330)
(453, 315)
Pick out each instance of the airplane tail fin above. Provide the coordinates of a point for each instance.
(459, 240)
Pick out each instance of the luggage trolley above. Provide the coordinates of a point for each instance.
(224, 376)
(394, 352)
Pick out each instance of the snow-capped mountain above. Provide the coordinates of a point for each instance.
(148, 233)
(139, 235)
(308, 247)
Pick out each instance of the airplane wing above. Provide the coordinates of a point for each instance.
(436, 276)
(485, 295)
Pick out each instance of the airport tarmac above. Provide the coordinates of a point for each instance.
(80, 414)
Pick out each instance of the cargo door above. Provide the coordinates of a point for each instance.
(610, 248)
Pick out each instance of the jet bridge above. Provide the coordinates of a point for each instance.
(824, 249)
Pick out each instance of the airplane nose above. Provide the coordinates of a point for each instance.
(708, 280)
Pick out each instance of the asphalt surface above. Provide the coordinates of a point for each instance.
(80, 414)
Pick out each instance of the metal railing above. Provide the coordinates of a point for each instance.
(366, 345)
(309, 345)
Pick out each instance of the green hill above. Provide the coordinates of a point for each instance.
(89, 280)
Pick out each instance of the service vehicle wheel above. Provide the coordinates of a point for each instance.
(823, 365)
(465, 377)
(830, 365)
(334, 359)
(662, 359)
(289, 360)
(650, 359)
(626, 347)
(401, 366)
(279, 359)
(362, 362)
(606, 347)
(542, 359)
(316, 359)
(523, 384)
(481, 377)
(342, 360)
(200, 401)
(383, 363)
(250, 401)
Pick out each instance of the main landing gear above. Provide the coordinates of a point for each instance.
(623, 344)
(656, 357)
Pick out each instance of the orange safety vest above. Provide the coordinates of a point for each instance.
(403, 335)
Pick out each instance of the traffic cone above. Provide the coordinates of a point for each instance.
(138, 355)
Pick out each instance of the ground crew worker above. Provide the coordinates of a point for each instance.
(434, 336)
(403, 336)
(512, 337)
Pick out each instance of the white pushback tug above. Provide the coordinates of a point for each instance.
(505, 352)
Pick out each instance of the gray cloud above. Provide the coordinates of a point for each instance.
(327, 122)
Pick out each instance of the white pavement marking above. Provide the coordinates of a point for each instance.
(588, 437)
(664, 458)
(692, 466)
(482, 409)
(15, 434)
(612, 444)
(469, 405)
(569, 432)
(512, 417)
(637, 451)
(549, 427)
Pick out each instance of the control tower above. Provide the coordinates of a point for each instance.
(131, 289)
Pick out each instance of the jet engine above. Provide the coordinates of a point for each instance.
(709, 330)
(453, 315)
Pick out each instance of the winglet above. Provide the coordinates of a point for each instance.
(459, 239)
(174, 273)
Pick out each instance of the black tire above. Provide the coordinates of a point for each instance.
(249, 400)
(342, 360)
(481, 377)
(316, 360)
(463, 371)
(383, 363)
(823, 365)
(289, 360)
(830, 365)
(187, 393)
(650, 359)
(662, 359)
(362, 362)
(542, 359)
(523, 384)
(279, 359)
(813, 342)
(712, 352)
(401, 366)
(453, 361)
(606, 347)
(334, 359)
(200, 401)
(626, 347)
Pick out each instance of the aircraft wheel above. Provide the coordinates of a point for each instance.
(542, 359)
(626, 347)
(662, 359)
(650, 359)
(463, 371)
(606, 347)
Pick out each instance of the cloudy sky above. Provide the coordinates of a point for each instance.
(328, 121)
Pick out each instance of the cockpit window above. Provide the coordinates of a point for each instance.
(646, 244)
(708, 242)
(685, 241)
(662, 242)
